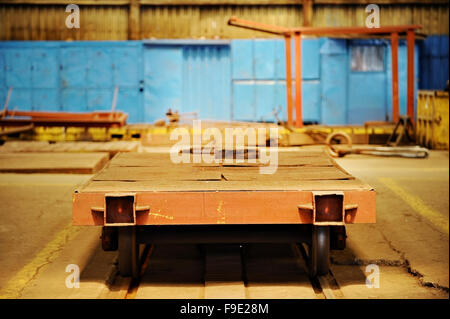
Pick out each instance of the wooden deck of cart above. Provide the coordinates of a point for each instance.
(151, 190)
(147, 198)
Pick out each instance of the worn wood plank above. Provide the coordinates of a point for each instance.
(299, 170)
(80, 163)
(299, 174)
(156, 174)
(215, 186)
(43, 146)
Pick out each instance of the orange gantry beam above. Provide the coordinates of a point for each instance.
(393, 31)
(87, 119)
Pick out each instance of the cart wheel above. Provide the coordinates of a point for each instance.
(128, 252)
(319, 251)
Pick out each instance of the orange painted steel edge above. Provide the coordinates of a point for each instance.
(298, 80)
(224, 207)
(234, 21)
(410, 75)
(287, 40)
(394, 53)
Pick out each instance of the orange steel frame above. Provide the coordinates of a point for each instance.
(209, 208)
(298, 32)
(37, 118)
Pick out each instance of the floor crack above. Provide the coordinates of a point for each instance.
(405, 263)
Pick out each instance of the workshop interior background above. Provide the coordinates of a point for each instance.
(93, 108)
(167, 60)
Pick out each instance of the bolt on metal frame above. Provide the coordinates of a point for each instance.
(296, 33)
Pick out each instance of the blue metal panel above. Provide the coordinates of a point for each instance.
(265, 101)
(311, 101)
(281, 100)
(206, 81)
(2, 71)
(99, 99)
(3, 88)
(280, 60)
(46, 100)
(126, 64)
(334, 82)
(18, 67)
(402, 76)
(99, 68)
(129, 101)
(264, 59)
(163, 66)
(244, 108)
(73, 62)
(310, 59)
(367, 97)
(21, 99)
(434, 57)
(74, 99)
(333, 46)
(45, 65)
(242, 59)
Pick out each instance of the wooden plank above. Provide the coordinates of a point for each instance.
(298, 174)
(82, 163)
(295, 166)
(285, 158)
(164, 185)
(42, 146)
(156, 174)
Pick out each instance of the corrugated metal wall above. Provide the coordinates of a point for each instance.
(211, 21)
(72, 76)
(103, 22)
(433, 71)
(47, 22)
(433, 18)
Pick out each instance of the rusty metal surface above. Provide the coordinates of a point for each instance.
(432, 119)
(186, 194)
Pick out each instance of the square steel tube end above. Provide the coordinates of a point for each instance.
(120, 209)
(328, 208)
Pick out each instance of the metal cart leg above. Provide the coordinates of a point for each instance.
(128, 252)
(319, 251)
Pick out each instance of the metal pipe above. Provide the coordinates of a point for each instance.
(410, 88)
(394, 53)
(298, 80)
(287, 40)
(268, 28)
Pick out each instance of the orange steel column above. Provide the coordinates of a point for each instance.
(287, 40)
(394, 52)
(298, 80)
(410, 94)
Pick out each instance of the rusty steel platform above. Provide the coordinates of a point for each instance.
(148, 189)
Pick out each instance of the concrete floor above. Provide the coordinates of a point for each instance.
(409, 242)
